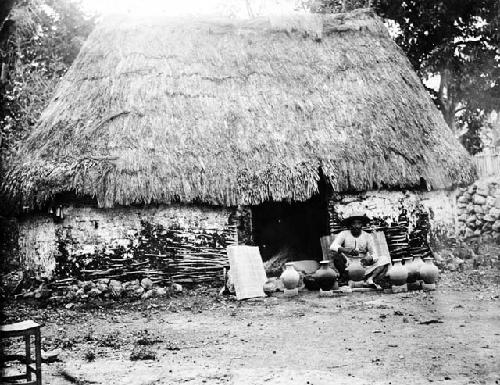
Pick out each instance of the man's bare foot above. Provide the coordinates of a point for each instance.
(372, 284)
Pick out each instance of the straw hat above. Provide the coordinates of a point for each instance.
(356, 216)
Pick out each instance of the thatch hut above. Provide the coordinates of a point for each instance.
(197, 114)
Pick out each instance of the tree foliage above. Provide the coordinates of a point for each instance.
(457, 40)
(46, 39)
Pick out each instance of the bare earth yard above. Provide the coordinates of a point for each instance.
(450, 336)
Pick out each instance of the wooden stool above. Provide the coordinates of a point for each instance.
(24, 329)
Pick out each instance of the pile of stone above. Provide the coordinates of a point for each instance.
(479, 210)
(101, 288)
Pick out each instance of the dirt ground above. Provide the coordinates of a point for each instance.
(448, 336)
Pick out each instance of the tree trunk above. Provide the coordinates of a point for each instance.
(5, 7)
(6, 27)
(446, 100)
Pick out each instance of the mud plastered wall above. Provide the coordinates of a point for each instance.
(87, 232)
(441, 206)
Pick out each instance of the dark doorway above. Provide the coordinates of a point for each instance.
(291, 229)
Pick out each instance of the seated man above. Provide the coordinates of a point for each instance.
(356, 243)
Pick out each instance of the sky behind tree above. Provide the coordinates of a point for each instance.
(237, 8)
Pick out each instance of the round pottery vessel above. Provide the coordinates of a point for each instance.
(290, 277)
(355, 270)
(429, 271)
(326, 277)
(398, 273)
(418, 263)
(412, 270)
(310, 283)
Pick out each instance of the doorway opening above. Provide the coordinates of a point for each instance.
(291, 230)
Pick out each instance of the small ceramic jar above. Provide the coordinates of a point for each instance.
(397, 273)
(290, 277)
(429, 272)
(326, 277)
(355, 270)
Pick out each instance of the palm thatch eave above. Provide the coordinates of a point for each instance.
(234, 112)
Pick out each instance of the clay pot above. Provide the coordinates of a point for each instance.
(326, 277)
(398, 273)
(290, 277)
(412, 269)
(429, 271)
(310, 283)
(355, 270)
(417, 264)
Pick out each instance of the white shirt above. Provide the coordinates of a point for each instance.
(363, 243)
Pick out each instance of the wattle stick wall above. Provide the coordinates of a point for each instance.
(202, 233)
(88, 233)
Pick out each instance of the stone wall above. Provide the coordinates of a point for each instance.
(479, 210)
(86, 233)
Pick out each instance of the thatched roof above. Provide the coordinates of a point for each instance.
(237, 112)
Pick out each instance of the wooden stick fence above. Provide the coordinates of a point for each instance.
(487, 164)
(179, 261)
